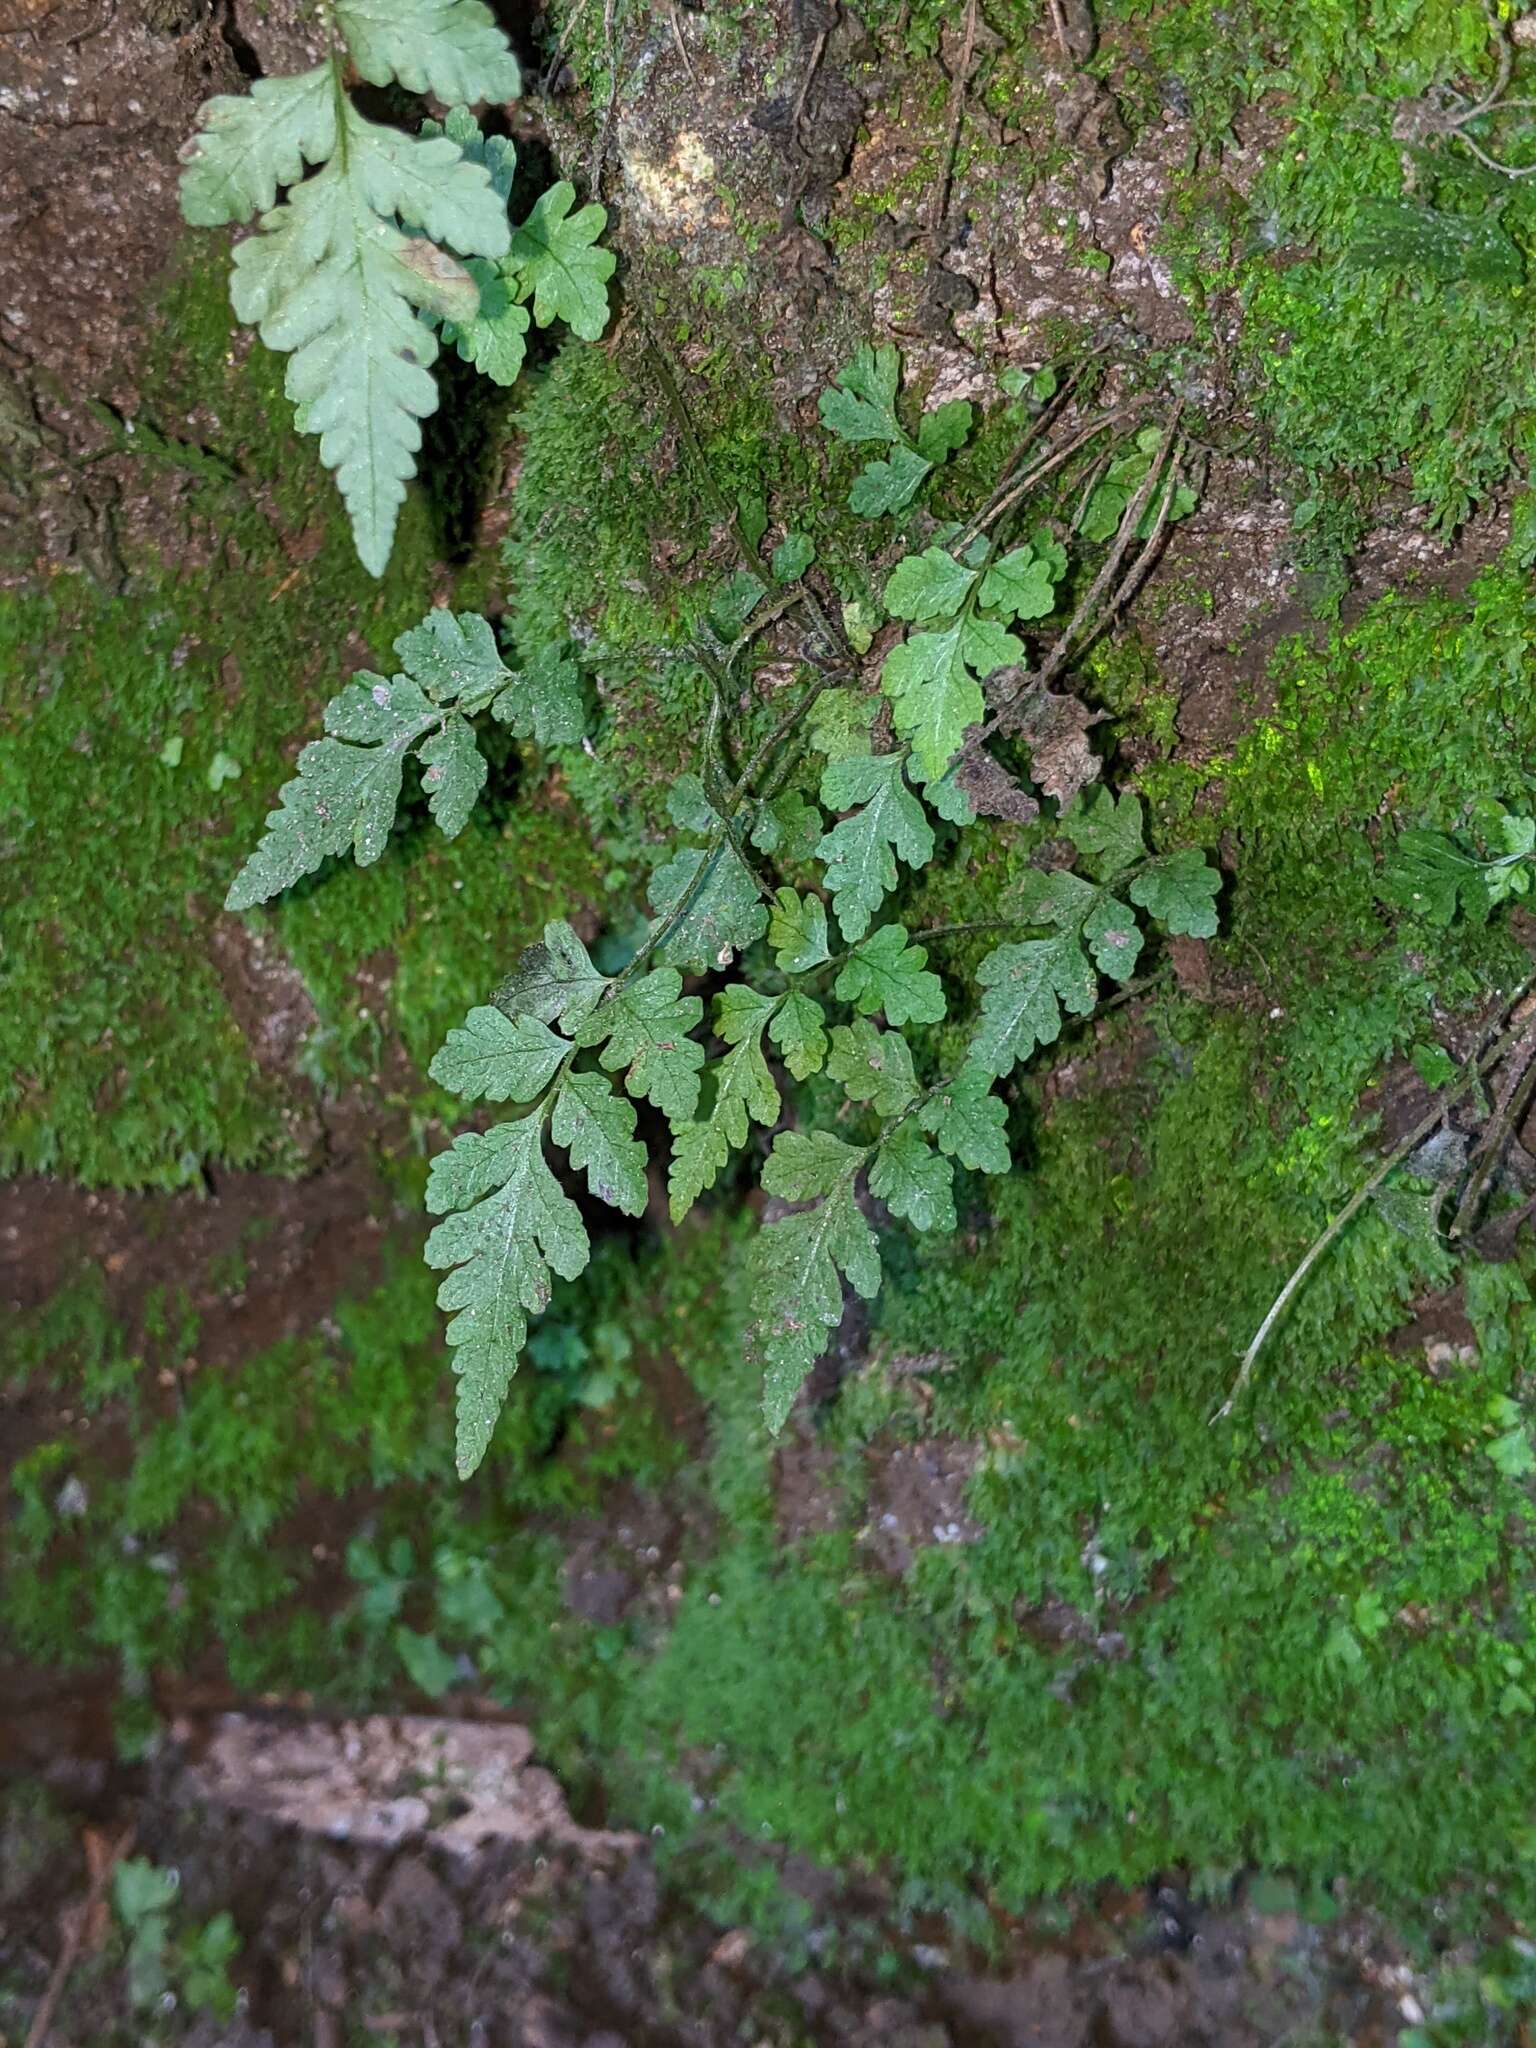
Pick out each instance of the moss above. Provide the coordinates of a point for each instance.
(618, 542)
(207, 1534)
(1272, 1652)
(1354, 369)
(123, 1059)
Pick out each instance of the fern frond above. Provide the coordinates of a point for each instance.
(338, 273)
(348, 786)
(449, 48)
(520, 1229)
(802, 1259)
(334, 279)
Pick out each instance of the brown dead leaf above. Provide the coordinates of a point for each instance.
(1055, 728)
(992, 790)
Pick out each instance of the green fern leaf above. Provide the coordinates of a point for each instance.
(885, 973)
(932, 585)
(797, 1031)
(551, 260)
(874, 1066)
(499, 1057)
(723, 914)
(797, 931)
(1107, 927)
(496, 339)
(1180, 890)
(859, 850)
(1113, 937)
(1021, 584)
(543, 701)
(554, 980)
(560, 267)
(497, 152)
(335, 280)
(646, 1026)
(799, 1294)
(789, 828)
(597, 1128)
(969, 1122)
(699, 1155)
(933, 680)
(861, 406)
(840, 721)
(246, 149)
(455, 657)
(1108, 831)
(946, 428)
(522, 1228)
(454, 774)
(451, 49)
(744, 1093)
(806, 1164)
(1027, 987)
(886, 485)
(346, 790)
(913, 1181)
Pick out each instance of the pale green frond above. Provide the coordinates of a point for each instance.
(346, 791)
(859, 849)
(449, 48)
(913, 1181)
(453, 774)
(1027, 988)
(247, 147)
(744, 1093)
(454, 656)
(721, 911)
(499, 1057)
(334, 281)
(884, 973)
(554, 980)
(800, 1264)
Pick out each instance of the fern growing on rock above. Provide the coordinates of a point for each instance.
(383, 235)
(778, 891)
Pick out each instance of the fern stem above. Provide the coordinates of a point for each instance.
(1003, 499)
(1421, 1130)
(1085, 614)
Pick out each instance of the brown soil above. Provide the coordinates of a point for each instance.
(422, 1910)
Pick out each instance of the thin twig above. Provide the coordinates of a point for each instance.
(1139, 570)
(939, 209)
(813, 65)
(682, 47)
(1507, 1111)
(573, 22)
(1004, 500)
(1357, 1201)
(610, 58)
(1063, 650)
(74, 1937)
